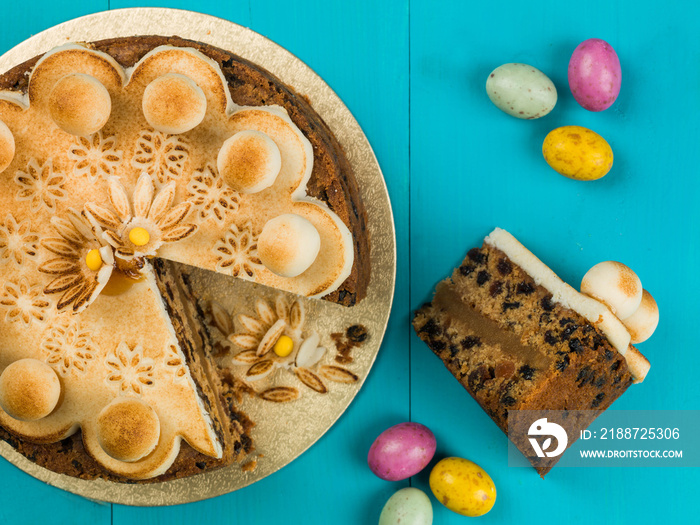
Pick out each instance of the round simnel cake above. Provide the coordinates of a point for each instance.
(99, 188)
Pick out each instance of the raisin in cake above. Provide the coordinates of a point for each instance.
(122, 163)
(518, 338)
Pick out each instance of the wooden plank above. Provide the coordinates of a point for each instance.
(20, 21)
(28, 500)
(474, 168)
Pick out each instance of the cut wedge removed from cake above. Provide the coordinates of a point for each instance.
(122, 163)
(519, 338)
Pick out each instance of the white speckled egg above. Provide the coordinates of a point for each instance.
(521, 91)
(409, 506)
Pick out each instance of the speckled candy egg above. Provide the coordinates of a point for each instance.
(521, 91)
(409, 506)
(594, 74)
(577, 153)
(401, 451)
(463, 486)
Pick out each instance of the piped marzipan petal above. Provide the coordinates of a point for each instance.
(222, 319)
(251, 324)
(162, 202)
(338, 374)
(245, 341)
(103, 216)
(79, 224)
(62, 283)
(311, 380)
(60, 247)
(296, 315)
(246, 357)
(66, 230)
(265, 312)
(119, 198)
(259, 370)
(59, 266)
(86, 297)
(175, 216)
(113, 239)
(271, 337)
(143, 195)
(72, 294)
(178, 233)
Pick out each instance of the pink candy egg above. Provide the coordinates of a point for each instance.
(401, 451)
(594, 74)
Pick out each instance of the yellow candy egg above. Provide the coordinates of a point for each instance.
(139, 236)
(93, 260)
(284, 346)
(463, 486)
(578, 153)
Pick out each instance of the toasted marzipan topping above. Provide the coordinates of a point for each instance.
(80, 104)
(642, 323)
(29, 390)
(128, 429)
(174, 103)
(249, 161)
(638, 364)
(202, 439)
(288, 245)
(7, 146)
(615, 285)
(594, 311)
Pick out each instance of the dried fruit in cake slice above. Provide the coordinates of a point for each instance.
(518, 338)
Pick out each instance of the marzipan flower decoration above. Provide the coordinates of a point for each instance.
(18, 243)
(237, 252)
(95, 156)
(260, 333)
(264, 349)
(82, 262)
(69, 348)
(23, 302)
(41, 186)
(129, 370)
(161, 155)
(138, 227)
(174, 362)
(211, 196)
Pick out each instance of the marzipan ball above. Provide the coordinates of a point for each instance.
(642, 323)
(288, 245)
(615, 285)
(79, 104)
(128, 429)
(29, 390)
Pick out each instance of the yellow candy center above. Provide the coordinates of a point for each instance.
(93, 259)
(139, 236)
(284, 346)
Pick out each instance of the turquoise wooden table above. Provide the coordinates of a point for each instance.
(413, 72)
